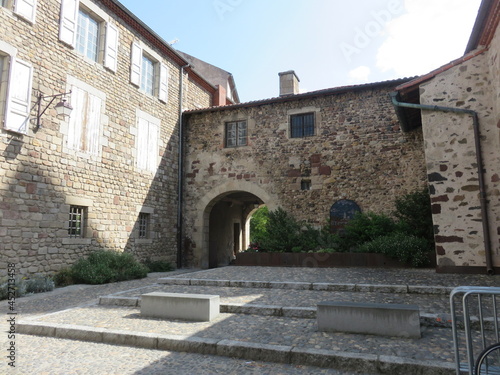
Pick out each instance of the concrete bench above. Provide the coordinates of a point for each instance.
(369, 318)
(194, 307)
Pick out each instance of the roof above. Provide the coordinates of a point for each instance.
(307, 95)
(140, 27)
(482, 33)
(215, 75)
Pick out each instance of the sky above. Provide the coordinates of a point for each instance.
(328, 43)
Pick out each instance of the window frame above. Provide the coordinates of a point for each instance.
(81, 212)
(237, 136)
(144, 225)
(83, 48)
(302, 125)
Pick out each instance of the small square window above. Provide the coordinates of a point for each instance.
(144, 220)
(305, 185)
(236, 133)
(87, 36)
(76, 223)
(302, 125)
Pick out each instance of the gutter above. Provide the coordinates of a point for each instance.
(479, 160)
(180, 169)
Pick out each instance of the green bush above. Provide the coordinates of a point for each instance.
(64, 277)
(258, 224)
(407, 249)
(107, 266)
(158, 265)
(39, 284)
(366, 227)
(414, 213)
(23, 286)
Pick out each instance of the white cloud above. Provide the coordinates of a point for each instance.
(359, 74)
(430, 34)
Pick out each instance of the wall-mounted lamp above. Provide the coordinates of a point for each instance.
(62, 108)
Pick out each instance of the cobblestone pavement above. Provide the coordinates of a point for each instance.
(40, 355)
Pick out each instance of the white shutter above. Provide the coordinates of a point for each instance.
(142, 143)
(163, 92)
(78, 101)
(111, 55)
(135, 64)
(93, 124)
(26, 9)
(152, 147)
(18, 96)
(68, 22)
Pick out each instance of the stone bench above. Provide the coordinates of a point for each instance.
(369, 318)
(194, 307)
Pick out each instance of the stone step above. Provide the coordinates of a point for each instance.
(334, 287)
(344, 361)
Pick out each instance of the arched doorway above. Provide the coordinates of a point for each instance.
(228, 233)
(214, 228)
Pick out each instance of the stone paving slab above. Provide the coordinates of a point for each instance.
(433, 303)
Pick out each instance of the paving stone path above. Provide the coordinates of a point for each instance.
(78, 305)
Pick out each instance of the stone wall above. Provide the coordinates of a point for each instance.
(451, 158)
(41, 176)
(358, 152)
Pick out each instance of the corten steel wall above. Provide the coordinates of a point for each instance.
(451, 159)
(358, 152)
(40, 176)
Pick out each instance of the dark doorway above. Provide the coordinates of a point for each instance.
(236, 238)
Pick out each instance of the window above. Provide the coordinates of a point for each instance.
(87, 35)
(148, 73)
(76, 222)
(144, 219)
(15, 90)
(81, 25)
(302, 125)
(236, 133)
(305, 185)
(84, 128)
(148, 128)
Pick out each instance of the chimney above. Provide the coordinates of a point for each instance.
(289, 83)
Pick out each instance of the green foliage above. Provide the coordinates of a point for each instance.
(282, 232)
(258, 224)
(415, 215)
(158, 265)
(23, 286)
(107, 266)
(64, 277)
(407, 249)
(365, 227)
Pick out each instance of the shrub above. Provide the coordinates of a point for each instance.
(258, 224)
(415, 215)
(107, 266)
(24, 286)
(158, 265)
(64, 277)
(366, 227)
(39, 284)
(407, 249)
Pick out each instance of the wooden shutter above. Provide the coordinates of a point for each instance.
(93, 125)
(152, 147)
(26, 9)
(142, 143)
(68, 22)
(135, 64)
(18, 96)
(111, 55)
(163, 91)
(78, 101)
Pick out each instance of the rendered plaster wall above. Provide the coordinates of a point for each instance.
(40, 176)
(358, 152)
(451, 158)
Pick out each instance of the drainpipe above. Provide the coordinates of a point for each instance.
(180, 168)
(479, 161)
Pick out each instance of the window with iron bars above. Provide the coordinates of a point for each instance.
(76, 223)
(236, 133)
(144, 225)
(302, 125)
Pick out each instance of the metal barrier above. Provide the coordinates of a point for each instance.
(478, 320)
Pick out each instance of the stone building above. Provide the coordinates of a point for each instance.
(126, 171)
(301, 152)
(107, 176)
(462, 147)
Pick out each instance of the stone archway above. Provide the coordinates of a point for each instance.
(220, 214)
